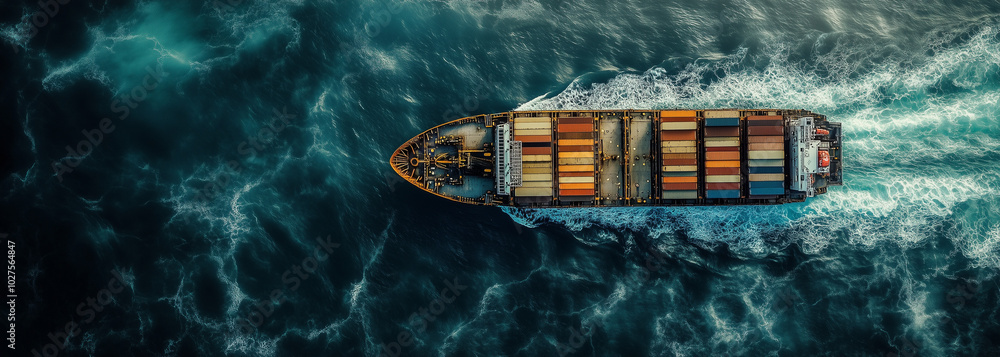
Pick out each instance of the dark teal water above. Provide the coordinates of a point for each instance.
(239, 200)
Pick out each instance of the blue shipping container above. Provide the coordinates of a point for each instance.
(722, 193)
(767, 191)
(767, 184)
(722, 122)
(767, 170)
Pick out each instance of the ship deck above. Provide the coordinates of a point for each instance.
(618, 158)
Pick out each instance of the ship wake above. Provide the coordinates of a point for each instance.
(919, 160)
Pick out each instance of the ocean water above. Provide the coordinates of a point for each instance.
(207, 178)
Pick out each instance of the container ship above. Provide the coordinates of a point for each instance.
(550, 159)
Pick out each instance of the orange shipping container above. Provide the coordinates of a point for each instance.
(576, 168)
(722, 164)
(680, 179)
(576, 174)
(678, 113)
(575, 142)
(722, 155)
(764, 117)
(576, 192)
(576, 186)
(575, 127)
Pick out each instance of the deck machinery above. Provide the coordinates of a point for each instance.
(547, 159)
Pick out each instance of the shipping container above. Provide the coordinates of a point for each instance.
(722, 121)
(576, 192)
(680, 179)
(678, 126)
(678, 113)
(722, 194)
(675, 195)
(722, 131)
(766, 139)
(722, 114)
(680, 186)
(765, 130)
(722, 155)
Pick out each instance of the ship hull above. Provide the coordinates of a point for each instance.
(615, 158)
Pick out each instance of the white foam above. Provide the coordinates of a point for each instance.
(910, 165)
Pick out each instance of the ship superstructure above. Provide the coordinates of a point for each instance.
(542, 159)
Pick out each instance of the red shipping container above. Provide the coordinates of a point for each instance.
(765, 130)
(723, 186)
(575, 127)
(766, 123)
(713, 131)
(678, 135)
(589, 121)
(575, 148)
(585, 135)
(533, 138)
(679, 162)
(576, 174)
(723, 148)
(722, 171)
(536, 151)
(680, 186)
